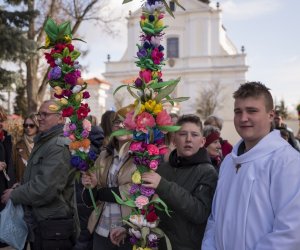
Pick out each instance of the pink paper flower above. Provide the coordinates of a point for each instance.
(143, 121)
(136, 146)
(163, 119)
(86, 124)
(153, 164)
(152, 149)
(163, 150)
(141, 201)
(146, 75)
(129, 121)
(157, 56)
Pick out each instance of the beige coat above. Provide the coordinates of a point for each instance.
(103, 164)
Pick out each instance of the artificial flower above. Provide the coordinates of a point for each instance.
(163, 119)
(152, 149)
(67, 112)
(157, 56)
(153, 164)
(149, 105)
(136, 177)
(85, 95)
(136, 146)
(83, 111)
(76, 89)
(86, 124)
(141, 201)
(63, 101)
(58, 90)
(47, 42)
(143, 121)
(54, 73)
(146, 75)
(157, 108)
(129, 121)
(151, 216)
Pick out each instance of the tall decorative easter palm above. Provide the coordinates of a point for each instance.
(148, 121)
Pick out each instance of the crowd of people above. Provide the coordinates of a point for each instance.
(222, 197)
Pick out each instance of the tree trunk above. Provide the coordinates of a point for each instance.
(31, 65)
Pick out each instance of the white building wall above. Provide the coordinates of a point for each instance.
(206, 56)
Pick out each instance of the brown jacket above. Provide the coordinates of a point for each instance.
(103, 164)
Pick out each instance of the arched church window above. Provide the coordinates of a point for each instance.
(172, 47)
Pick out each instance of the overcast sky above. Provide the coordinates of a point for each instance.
(269, 30)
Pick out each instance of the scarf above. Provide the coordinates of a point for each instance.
(28, 142)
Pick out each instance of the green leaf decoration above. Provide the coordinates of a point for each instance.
(145, 231)
(177, 99)
(121, 132)
(165, 92)
(66, 52)
(118, 88)
(161, 202)
(134, 95)
(126, 1)
(129, 203)
(78, 39)
(169, 128)
(51, 30)
(65, 29)
(74, 55)
(159, 85)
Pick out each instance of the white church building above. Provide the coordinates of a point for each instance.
(197, 49)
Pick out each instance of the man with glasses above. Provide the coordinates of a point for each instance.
(48, 185)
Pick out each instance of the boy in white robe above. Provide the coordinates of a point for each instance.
(257, 201)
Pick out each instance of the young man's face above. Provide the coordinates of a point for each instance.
(251, 119)
(188, 139)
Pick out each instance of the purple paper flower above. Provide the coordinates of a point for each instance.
(66, 133)
(72, 126)
(72, 77)
(134, 188)
(75, 160)
(85, 133)
(146, 191)
(67, 92)
(92, 155)
(83, 166)
(141, 53)
(133, 240)
(138, 82)
(55, 73)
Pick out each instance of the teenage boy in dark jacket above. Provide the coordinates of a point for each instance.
(186, 183)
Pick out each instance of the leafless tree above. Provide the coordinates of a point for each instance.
(210, 99)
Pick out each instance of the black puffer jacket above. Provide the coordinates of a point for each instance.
(187, 187)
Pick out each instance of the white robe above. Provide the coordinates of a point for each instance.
(257, 207)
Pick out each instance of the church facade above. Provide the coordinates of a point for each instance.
(197, 49)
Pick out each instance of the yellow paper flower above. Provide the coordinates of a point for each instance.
(78, 97)
(68, 39)
(63, 101)
(159, 24)
(53, 107)
(149, 105)
(142, 23)
(58, 90)
(47, 42)
(158, 108)
(136, 177)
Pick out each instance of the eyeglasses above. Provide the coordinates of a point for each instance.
(117, 123)
(28, 125)
(43, 115)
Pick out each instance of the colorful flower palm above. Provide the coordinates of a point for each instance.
(148, 121)
(69, 89)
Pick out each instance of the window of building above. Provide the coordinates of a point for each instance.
(173, 47)
(172, 6)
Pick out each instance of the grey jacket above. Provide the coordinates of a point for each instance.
(48, 184)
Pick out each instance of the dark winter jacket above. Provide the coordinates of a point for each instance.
(187, 186)
(48, 183)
